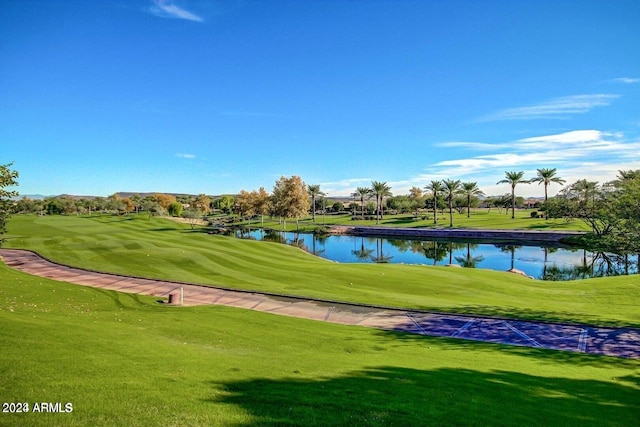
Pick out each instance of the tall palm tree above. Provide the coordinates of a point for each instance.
(513, 179)
(451, 188)
(547, 176)
(380, 190)
(362, 192)
(587, 189)
(470, 189)
(436, 188)
(314, 191)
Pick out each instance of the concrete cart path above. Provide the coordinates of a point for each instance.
(619, 342)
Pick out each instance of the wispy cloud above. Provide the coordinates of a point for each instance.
(167, 9)
(558, 108)
(185, 156)
(627, 80)
(577, 154)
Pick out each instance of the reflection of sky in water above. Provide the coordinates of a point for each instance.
(530, 259)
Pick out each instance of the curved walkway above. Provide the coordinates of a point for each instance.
(619, 342)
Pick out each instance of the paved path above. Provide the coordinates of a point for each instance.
(620, 342)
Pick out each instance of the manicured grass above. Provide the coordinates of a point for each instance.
(163, 249)
(126, 360)
(480, 218)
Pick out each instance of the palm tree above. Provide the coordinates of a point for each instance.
(451, 188)
(513, 179)
(380, 190)
(547, 176)
(470, 189)
(314, 191)
(587, 189)
(362, 192)
(436, 188)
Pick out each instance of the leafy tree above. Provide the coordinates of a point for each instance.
(337, 206)
(225, 203)
(380, 190)
(470, 189)
(513, 179)
(193, 214)
(450, 189)
(436, 189)
(547, 176)
(151, 206)
(8, 178)
(261, 203)
(362, 192)
(175, 209)
(136, 199)
(314, 192)
(290, 198)
(164, 199)
(417, 201)
(245, 205)
(203, 204)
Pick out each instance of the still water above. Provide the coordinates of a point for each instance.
(540, 262)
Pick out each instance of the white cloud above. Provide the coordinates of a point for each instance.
(166, 9)
(627, 80)
(558, 108)
(186, 156)
(579, 154)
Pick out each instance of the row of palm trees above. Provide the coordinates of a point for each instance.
(544, 176)
(449, 188)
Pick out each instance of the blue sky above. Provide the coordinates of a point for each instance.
(213, 97)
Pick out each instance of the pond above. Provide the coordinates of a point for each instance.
(539, 262)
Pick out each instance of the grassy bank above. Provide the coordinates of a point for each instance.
(125, 360)
(163, 249)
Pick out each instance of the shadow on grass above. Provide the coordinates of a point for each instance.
(536, 315)
(389, 395)
(542, 355)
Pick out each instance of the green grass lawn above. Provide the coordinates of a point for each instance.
(480, 218)
(124, 359)
(159, 248)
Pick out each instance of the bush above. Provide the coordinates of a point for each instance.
(175, 209)
(534, 214)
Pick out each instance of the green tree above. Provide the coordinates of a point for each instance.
(380, 190)
(513, 179)
(8, 178)
(450, 189)
(470, 189)
(193, 214)
(314, 192)
(362, 192)
(436, 189)
(175, 209)
(547, 176)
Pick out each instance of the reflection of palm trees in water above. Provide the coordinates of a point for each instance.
(435, 251)
(468, 261)
(380, 257)
(512, 250)
(547, 250)
(318, 239)
(362, 253)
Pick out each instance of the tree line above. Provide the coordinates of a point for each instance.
(611, 209)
